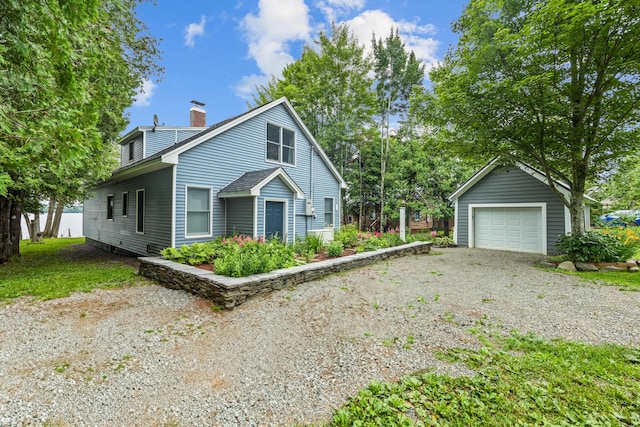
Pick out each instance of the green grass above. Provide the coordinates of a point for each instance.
(44, 272)
(518, 380)
(627, 281)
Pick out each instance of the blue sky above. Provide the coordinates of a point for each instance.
(216, 51)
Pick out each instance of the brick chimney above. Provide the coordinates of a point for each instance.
(197, 114)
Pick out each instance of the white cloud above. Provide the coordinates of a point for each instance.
(194, 30)
(247, 85)
(414, 36)
(270, 32)
(145, 92)
(334, 9)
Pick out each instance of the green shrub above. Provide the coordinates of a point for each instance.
(371, 244)
(314, 243)
(444, 242)
(253, 257)
(236, 257)
(594, 247)
(348, 235)
(391, 238)
(335, 249)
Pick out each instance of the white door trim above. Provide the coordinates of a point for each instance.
(542, 206)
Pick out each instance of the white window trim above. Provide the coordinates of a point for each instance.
(113, 210)
(198, 236)
(144, 210)
(285, 238)
(125, 214)
(295, 145)
(542, 206)
(333, 216)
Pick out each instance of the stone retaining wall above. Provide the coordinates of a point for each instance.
(231, 291)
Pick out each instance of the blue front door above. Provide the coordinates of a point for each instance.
(274, 220)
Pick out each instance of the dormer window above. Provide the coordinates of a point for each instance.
(281, 144)
(131, 151)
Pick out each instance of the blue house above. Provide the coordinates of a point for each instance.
(260, 173)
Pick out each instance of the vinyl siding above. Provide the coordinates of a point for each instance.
(239, 216)
(161, 138)
(137, 151)
(121, 232)
(223, 159)
(512, 185)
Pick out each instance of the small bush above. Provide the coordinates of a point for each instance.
(594, 247)
(444, 242)
(335, 249)
(314, 243)
(348, 235)
(371, 244)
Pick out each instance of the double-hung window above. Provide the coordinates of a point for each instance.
(328, 212)
(281, 144)
(198, 211)
(417, 216)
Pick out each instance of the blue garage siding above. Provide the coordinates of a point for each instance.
(223, 159)
(511, 185)
(121, 231)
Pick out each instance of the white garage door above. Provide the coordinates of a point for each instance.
(509, 229)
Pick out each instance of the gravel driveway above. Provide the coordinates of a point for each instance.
(150, 356)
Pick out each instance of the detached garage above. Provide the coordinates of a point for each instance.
(511, 208)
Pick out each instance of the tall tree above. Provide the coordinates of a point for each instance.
(622, 187)
(554, 83)
(67, 72)
(330, 88)
(397, 72)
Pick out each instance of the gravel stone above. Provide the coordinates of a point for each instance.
(149, 356)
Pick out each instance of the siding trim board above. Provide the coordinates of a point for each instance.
(174, 179)
(542, 206)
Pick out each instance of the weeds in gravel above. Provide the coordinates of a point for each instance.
(46, 271)
(518, 380)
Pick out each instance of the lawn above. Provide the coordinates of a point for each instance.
(47, 270)
(519, 380)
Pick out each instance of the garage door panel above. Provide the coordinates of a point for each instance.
(515, 229)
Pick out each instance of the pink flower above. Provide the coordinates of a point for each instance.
(224, 240)
(434, 233)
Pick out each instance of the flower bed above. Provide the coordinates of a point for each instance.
(241, 256)
(229, 292)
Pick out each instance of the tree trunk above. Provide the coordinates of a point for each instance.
(50, 213)
(28, 222)
(576, 210)
(34, 229)
(10, 214)
(447, 228)
(55, 227)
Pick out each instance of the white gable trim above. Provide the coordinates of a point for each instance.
(255, 190)
(562, 187)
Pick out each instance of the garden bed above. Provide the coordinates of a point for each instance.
(229, 292)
